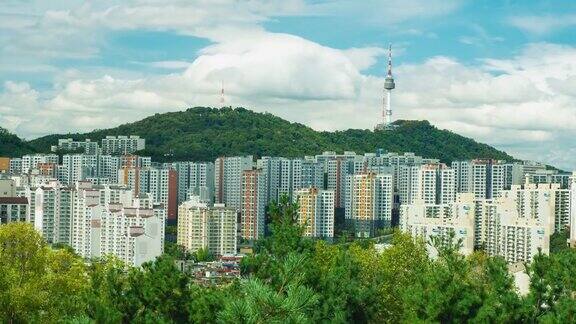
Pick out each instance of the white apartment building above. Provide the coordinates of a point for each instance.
(369, 202)
(53, 210)
(15, 166)
(72, 169)
(108, 166)
(68, 144)
(133, 234)
(519, 222)
(118, 145)
(201, 226)
(316, 212)
(194, 179)
(228, 179)
(286, 176)
(109, 220)
(487, 178)
(433, 184)
(425, 220)
(31, 161)
(161, 183)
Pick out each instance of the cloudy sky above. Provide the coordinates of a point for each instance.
(501, 72)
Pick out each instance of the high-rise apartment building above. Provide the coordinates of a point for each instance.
(316, 212)
(254, 202)
(118, 145)
(519, 223)
(133, 234)
(194, 179)
(163, 186)
(308, 173)
(201, 226)
(369, 202)
(68, 144)
(433, 184)
(110, 220)
(31, 161)
(487, 178)
(16, 166)
(442, 220)
(228, 179)
(53, 210)
(284, 176)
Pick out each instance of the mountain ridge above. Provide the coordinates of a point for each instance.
(202, 133)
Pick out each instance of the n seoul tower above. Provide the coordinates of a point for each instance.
(389, 85)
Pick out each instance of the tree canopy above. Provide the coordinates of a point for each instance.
(290, 279)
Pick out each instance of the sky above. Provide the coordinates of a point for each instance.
(501, 72)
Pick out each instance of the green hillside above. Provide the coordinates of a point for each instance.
(206, 133)
(12, 146)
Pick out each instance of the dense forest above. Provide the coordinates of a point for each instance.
(290, 279)
(206, 133)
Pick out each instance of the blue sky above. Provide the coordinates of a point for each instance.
(502, 72)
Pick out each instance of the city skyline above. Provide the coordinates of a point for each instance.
(499, 72)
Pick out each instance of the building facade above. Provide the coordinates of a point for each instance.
(316, 212)
(213, 228)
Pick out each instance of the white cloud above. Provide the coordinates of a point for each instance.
(525, 104)
(170, 65)
(540, 25)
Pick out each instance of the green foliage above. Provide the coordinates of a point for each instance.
(37, 284)
(291, 301)
(290, 279)
(204, 134)
(203, 255)
(559, 241)
(12, 146)
(176, 251)
(205, 302)
(456, 289)
(552, 288)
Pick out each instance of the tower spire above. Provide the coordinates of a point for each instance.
(222, 95)
(389, 60)
(389, 85)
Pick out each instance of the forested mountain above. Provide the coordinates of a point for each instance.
(11, 145)
(206, 133)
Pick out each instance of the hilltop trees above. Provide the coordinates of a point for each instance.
(203, 134)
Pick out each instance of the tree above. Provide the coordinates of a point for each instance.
(37, 284)
(289, 302)
(552, 287)
(205, 302)
(286, 235)
(558, 241)
(203, 255)
(445, 292)
(108, 284)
